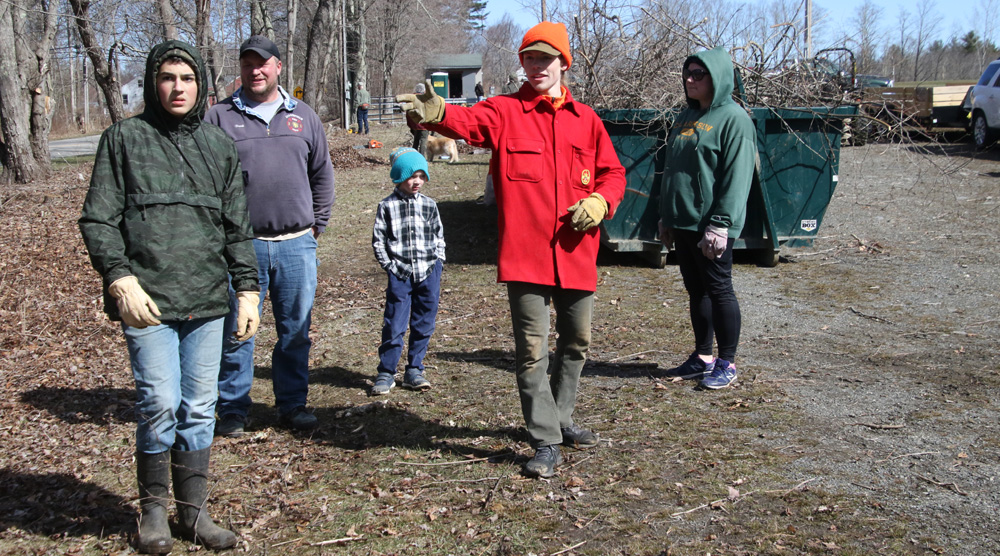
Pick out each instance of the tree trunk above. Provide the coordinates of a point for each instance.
(357, 47)
(40, 86)
(17, 155)
(103, 69)
(315, 50)
(288, 68)
(260, 20)
(167, 15)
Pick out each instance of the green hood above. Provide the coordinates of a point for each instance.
(720, 67)
(154, 111)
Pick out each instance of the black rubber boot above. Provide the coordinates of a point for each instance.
(153, 474)
(190, 470)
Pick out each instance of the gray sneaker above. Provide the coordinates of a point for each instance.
(414, 379)
(544, 464)
(384, 382)
(577, 437)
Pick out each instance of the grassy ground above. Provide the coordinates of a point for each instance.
(678, 471)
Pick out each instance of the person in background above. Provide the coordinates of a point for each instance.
(480, 94)
(408, 240)
(289, 186)
(712, 152)
(363, 98)
(556, 177)
(165, 223)
(418, 131)
(512, 85)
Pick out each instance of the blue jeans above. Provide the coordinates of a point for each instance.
(175, 365)
(363, 119)
(287, 273)
(548, 401)
(416, 304)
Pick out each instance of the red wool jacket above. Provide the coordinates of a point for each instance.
(544, 161)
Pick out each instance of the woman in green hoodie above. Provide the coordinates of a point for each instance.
(703, 203)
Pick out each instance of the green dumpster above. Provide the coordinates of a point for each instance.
(799, 151)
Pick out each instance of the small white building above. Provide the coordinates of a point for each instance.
(132, 95)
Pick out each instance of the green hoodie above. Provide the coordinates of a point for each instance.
(711, 157)
(166, 205)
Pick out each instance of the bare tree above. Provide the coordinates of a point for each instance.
(17, 151)
(928, 20)
(104, 74)
(498, 44)
(167, 19)
(867, 35)
(320, 40)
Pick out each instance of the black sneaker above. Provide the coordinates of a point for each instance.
(693, 368)
(231, 424)
(544, 463)
(579, 438)
(299, 419)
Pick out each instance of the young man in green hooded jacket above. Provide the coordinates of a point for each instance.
(166, 225)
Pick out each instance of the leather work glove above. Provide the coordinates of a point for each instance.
(664, 235)
(425, 108)
(247, 315)
(713, 244)
(588, 212)
(136, 308)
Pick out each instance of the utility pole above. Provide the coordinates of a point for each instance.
(544, 15)
(809, 32)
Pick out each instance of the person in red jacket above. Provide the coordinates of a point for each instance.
(556, 176)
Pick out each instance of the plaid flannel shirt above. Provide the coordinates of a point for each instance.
(408, 238)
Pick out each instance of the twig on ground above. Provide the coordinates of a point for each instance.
(491, 493)
(872, 317)
(567, 549)
(287, 542)
(460, 462)
(459, 481)
(633, 355)
(949, 486)
(877, 426)
(908, 455)
(337, 541)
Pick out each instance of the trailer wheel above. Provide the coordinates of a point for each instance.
(768, 257)
(981, 134)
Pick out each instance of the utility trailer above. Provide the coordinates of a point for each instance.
(931, 108)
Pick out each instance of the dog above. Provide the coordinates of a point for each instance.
(437, 146)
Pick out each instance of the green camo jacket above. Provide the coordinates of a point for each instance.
(166, 205)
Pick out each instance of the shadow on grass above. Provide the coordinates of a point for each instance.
(504, 361)
(57, 504)
(75, 405)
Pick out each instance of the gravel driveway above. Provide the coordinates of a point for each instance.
(883, 333)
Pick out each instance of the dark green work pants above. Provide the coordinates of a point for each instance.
(547, 402)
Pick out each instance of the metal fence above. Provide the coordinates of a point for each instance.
(385, 110)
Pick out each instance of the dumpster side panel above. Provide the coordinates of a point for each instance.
(633, 227)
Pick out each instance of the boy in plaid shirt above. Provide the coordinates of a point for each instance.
(408, 240)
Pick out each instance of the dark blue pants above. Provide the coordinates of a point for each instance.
(413, 304)
(713, 304)
(363, 119)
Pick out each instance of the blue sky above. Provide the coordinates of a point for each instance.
(957, 15)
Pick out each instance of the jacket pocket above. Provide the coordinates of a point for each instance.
(524, 159)
(582, 169)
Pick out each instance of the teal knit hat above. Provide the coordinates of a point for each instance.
(406, 162)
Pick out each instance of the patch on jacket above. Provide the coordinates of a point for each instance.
(585, 177)
(294, 123)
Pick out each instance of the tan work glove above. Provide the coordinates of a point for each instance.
(588, 212)
(425, 108)
(136, 308)
(247, 315)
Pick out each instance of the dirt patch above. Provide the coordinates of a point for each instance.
(864, 420)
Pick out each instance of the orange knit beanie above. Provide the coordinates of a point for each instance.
(553, 35)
